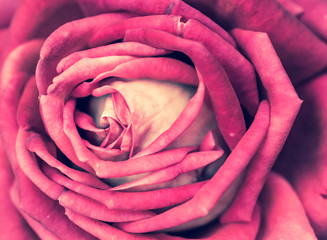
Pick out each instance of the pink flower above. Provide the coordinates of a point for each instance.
(133, 119)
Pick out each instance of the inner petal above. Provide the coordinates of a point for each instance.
(153, 105)
(150, 107)
(100, 108)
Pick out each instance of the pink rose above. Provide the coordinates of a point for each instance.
(133, 119)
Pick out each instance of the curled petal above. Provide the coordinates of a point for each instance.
(6, 12)
(191, 162)
(116, 49)
(236, 230)
(10, 218)
(302, 53)
(96, 210)
(38, 19)
(66, 39)
(136, 164)
(292, 7)
(52, 105)
(159, 68)
(31, 168)
(128, 200)
(303, 159)
(208, 143)
(284, 106)
(155, 7)
(106, 232)
(49, 215)
(199, 205)
(183, 121)
(224, 100)
(37, 145)
(314, 16)
(240, 72)
(283, 213)
(70, 130)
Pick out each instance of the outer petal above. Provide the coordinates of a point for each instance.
(224, 100)
(284, 104)
(24, 193)
(154, 7)
(6, 11)
(304, 158)
(292, 7)
(50, 216)
(66, 39)
(302, 53)
(314, 16)
(15, 72)
(106, 232)
(10, 218)
(205, 198)
(37, 19)
(3, 39)
(127, 200)
(283, 214)
(236, 230)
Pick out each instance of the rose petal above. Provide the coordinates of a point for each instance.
(4, 35)
(292, 7)
(314, 16)
(66, 39)
(85, 122)
(240, 72)
(48, 213)
(38, 146)
(155, 7)
(284, 104)
(31, 168)
(283, 213)
(205, 199)
(191, 162)
(159, 68)
(96, 210)
(16, 72)
(38, 229)
(139, 164)
(34, 19)
(235, 64)
(52, 105)
(10, 218)
(302, 53)
(116, 49)
(303, 160)
(109, 153)
(83, 154)
(145, 104)
(106, 232)
(236, 230)
(230, 122)
(128, 200)
(6, 12)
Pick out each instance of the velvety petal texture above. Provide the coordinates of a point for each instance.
(6, 12)
(301, 51)
(163, 119)
(308, 172)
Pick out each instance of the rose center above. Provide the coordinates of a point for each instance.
(150, 106)
(147, 108)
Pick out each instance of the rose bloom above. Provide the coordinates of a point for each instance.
(163, 119)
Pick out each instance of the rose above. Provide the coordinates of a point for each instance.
(237, 35)
(42, 173)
